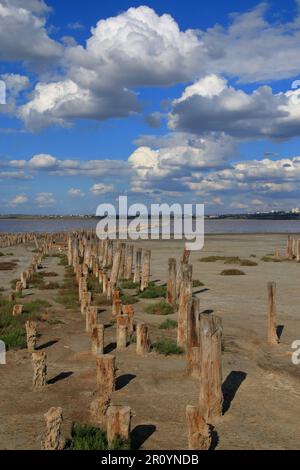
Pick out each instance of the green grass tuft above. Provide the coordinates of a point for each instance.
(159, 308)
(232, 272)
(167, 347)
(153, 292)
(168, 324)
(86, 437)
(127, 284)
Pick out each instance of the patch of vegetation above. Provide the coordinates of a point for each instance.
(127, 284)
(128, 299)
(63, 260)
(101, 299)
(7, 265)
(133, 338)
(271, 258)
(50, 274)
(168, 324)
(93, 284)
(252, 256)
(153, 292)
(68, 294)
(1, 254)
(232, 260)
(55, 321)
(167, 347)
(159, 308)
(232, 272)
(86, 437)
(51, 285)
(248, 262)
(212, 259)
(12, 329)
(197, 283)
(35, 306)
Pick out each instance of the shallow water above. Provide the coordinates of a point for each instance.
(211, 226)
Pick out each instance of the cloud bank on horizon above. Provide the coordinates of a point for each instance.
(221, 95)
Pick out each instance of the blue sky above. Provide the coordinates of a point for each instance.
(160, 100)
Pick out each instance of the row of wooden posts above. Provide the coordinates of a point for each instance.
(199, 334)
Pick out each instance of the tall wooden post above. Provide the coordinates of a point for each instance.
(210, 355)
(106, 374)
(97, 338)
(146, 270)
(128, 261)
(171, 283)
(118, 422)
(272, 331)
(138, 266)
(142, 339)
(185, 304)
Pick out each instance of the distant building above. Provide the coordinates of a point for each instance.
(296, 210)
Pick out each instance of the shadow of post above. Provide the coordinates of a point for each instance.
(140, 434)
(230, 387)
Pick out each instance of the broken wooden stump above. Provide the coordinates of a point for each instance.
(106, 374)
(52, 438)
(91, 317)
(199, 435)
(98, 409)
(39, 370)
(210, 377)
(143, 344)
(97, 339)
(31, 335)
(118, 423)
(17, 310)
(116, 303)
(146, 270)
(122, 333)
(128, 311)
(272, 329)
(19, 287)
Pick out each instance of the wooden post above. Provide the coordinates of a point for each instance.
(146, 270)
(210, 354)
(91, 317)
(298, 250)
(128, 310)
(138, 266)
(116, 266)
(272, 331)
(106, 374)
(116, 305)
(171, 283)
(52, 438)
(199, 435)
(142, 339)
(31, 335)
(39, 370)
(121, 336)
(128, 261)
(179, 276)
(118, 423)
(97, 338)
(185, 305)
(17, 310)
(192, 356)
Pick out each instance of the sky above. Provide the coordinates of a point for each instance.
(162, 101)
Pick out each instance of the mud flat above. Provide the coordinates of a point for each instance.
(260, 383)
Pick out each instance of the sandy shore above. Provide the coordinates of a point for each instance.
(261, 384)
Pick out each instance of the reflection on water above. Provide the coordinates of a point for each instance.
(211, 226)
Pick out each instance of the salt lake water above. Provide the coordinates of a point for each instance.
(211, 226)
